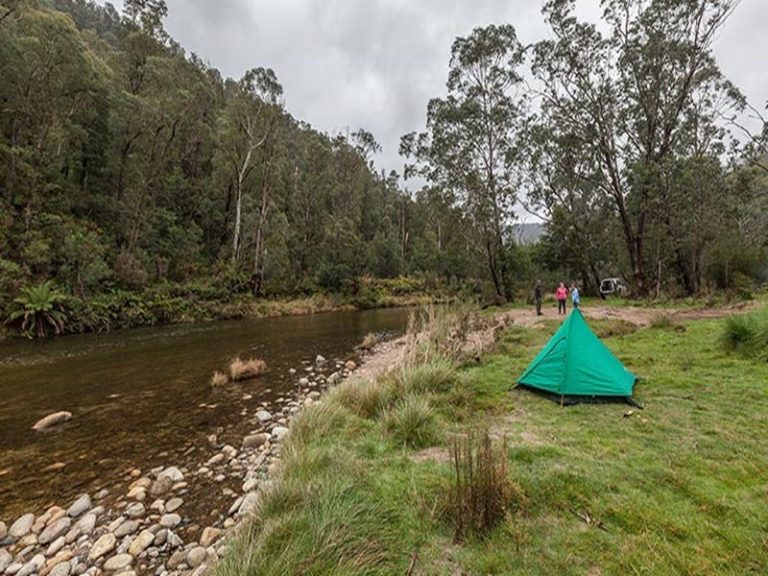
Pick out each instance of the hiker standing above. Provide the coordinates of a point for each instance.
(537, 297)
(562, 295)
(575, 296)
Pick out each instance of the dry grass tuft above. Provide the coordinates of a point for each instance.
(369, 342)
(219, 379)
(481, 491)
(246, 369)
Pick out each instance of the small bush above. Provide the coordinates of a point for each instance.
(481, 492)
(747, 334)
(246, 369)
(219, 379)
(411, 422)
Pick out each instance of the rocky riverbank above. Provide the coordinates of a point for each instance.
(142, 527)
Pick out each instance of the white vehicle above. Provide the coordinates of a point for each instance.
(613, 287)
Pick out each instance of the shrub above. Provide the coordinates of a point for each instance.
(246, 369)
(411, 422)
(481, 492)
(219, 379)
(747, 334)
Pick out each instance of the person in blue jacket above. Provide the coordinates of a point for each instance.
(575, 296)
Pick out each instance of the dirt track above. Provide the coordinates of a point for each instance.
(391, 354)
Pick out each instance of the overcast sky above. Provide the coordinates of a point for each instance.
(374, 64)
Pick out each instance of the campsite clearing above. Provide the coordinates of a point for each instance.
(677, 488)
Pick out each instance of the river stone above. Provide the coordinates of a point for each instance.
(279, 432)
(209, 536)
(303, 381)
(201, 570)
(161, 537)
(58, 528)
(249, 503)
(176, 558)
(52, 420)
(142, 482)
(255, 440)
(61, 569)
(196, 556)
(173, 504)
(5, 559)
(161, 486)
(138, 493)
(250, 484)
(215, 459)
(102, 546)
(3, 530)
(118, 562)
(80, 506)
(86, 524)
(127, 527)
(135, 510)
(115, 524)
(55, 546)
(170, 520)
(141, 543)
(229, 452)
(263, 416)
(32, 566)
(22, 526)
(173, 473)
(320, 360)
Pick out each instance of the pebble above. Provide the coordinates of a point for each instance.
(135, 510)
(141, 543)
(118, 563)
(176, 559)
(173, 473)
(138, 493)
(55, 546)
(161, 486)
(161, 537)
(196, 556)
(13, 568)
(320, 360)
(54, 530)
(173, 504)
(126, 528)
(250, 484)
(3, 530)
(86, 524)
(248, 503)
(200, 570)
(279, 432)
(209, 536)
(263, 416)
(5, 559)
(80, 506)
(216, 459)
(170, 520)
(304, 382)
(102, 546)
(33, 566)
(255, 440)
(22, 526)
(61, 569)
(229, 452)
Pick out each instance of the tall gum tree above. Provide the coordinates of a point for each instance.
(625, 93)
(472, 145)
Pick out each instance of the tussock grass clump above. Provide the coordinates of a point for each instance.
(219, 379)
(369, 342)
(747, 334)
(411, 422)
(481, 492)
(435, 375)
(246, 369)
(365, 398)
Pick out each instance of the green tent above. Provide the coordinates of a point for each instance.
(575, 363)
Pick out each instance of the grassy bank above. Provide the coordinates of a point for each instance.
(679, 488)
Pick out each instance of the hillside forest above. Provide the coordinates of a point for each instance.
(134, 176)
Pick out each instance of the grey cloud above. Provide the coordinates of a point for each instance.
(374, 64)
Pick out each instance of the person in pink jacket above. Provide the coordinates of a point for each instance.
(562, 295)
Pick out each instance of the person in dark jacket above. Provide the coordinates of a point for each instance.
(537, 297)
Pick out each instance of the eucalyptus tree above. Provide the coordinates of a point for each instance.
(474, 141)
(628, 93)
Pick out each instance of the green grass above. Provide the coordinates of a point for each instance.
(679, 488)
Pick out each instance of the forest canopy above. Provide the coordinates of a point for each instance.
(126, 163)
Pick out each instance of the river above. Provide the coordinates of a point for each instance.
(142, 398)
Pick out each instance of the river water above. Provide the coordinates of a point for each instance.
(142, 398)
